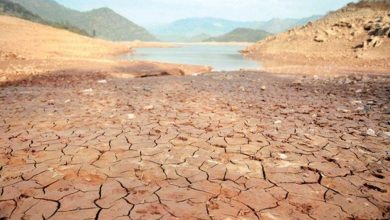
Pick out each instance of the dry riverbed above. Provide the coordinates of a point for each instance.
(242, 145)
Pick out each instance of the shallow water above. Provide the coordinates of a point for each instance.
(220, 57)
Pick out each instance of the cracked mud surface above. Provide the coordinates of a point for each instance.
(217, 146)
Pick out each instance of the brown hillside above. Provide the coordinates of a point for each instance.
(33, 40)
(354, 38)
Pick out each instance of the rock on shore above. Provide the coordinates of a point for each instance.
(356, 37)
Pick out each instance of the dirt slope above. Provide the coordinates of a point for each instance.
(354, 38)
(33, 40)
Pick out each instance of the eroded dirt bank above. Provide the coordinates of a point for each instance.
(353, 39)
(221, 146)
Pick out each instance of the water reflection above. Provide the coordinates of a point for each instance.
(220, 57)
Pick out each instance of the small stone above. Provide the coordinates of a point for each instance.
(344, 110)
(234, 108)
(359, 91)
(87, 90)
(67, 101)
(371, 132)
(102, 81)
(384, 134)
(130, 116)
(357, 102)
(360, 108)
(368, 26)
(263, 88)
(278, 122)
(283, 156)
(319, 39)
(298, 82)
(149, 107)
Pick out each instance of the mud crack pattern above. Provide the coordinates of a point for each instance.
(219, 146)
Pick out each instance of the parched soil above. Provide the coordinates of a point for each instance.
(242, 145)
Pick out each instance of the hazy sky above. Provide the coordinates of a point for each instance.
(147, 12)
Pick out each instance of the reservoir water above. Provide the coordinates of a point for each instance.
(220, 57)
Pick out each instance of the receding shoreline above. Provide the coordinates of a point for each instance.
(57, 51)
(219, 57)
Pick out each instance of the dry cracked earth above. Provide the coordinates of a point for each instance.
(219, 146)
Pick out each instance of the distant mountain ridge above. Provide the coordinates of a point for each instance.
(278, 25)
(241, 35)
(189, 27)
(102, 23)
(195, 26)
(13, 9)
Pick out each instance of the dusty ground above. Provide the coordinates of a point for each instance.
(221, 146)
(355, 38)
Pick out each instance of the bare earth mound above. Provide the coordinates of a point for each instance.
(28, 48)
(355, 38)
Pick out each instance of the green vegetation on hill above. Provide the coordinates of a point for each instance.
(278, 25)
(190, 27)
(102, 23)
(69, 27)
(241, 35)
(16, 10)
(13, 9)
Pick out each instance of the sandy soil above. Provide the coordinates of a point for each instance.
(143, 44)
(342, 42)
(28, 49)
